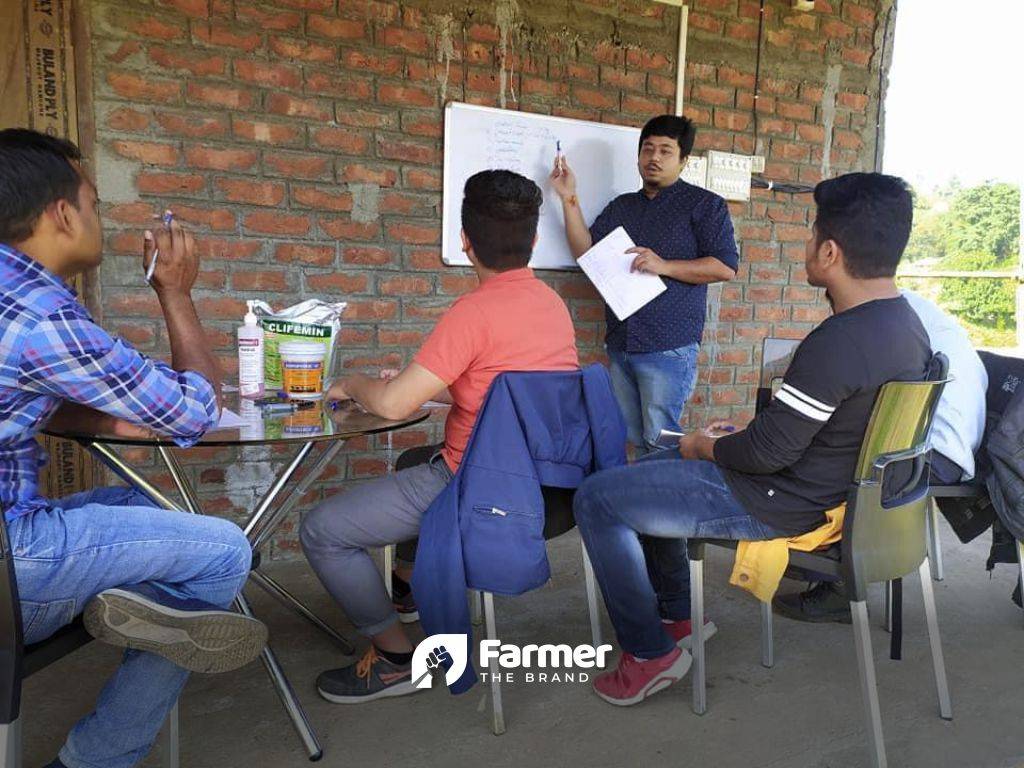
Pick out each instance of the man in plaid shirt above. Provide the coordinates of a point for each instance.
(147, 579)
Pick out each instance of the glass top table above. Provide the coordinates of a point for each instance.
(309, 426)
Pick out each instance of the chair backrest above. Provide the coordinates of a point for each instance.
(884, 529)
(776, 355)
(12, 645)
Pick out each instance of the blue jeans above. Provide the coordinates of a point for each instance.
(652, 389)
(115, 537)
(662, 500)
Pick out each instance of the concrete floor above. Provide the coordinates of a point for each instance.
(804, 713)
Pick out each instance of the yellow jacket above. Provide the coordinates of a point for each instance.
(760, 564)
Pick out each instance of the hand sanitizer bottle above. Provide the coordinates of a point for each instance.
(250, 356)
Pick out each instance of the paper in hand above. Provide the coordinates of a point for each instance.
(608, 266)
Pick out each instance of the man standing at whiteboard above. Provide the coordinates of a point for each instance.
(682, 233)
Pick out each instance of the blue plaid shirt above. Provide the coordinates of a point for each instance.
(680, 222)
(51, 350)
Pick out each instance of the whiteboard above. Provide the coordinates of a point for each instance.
(485, 138)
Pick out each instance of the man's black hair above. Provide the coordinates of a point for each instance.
(35, 171)
(681, 129)
(500, 210)
(869, 215)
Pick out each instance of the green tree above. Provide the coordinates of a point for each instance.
(986, 301)
(985, 219)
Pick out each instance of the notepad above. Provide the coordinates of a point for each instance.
(608, 266)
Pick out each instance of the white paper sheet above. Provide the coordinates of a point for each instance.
(229, 420)
(607, 265)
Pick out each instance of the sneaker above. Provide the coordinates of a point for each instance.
(194, 635)
(402, 600)
(633, 680)
(823, 602)
(372, 677)
(681, 631)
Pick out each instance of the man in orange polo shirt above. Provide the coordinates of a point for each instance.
(511, 322)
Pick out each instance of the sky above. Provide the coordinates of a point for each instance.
(956, 94)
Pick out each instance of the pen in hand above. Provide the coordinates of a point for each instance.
(167, 218)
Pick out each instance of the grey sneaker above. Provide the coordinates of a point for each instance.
(196, 636)
(372, 677)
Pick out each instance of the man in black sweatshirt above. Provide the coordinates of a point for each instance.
(793, 462)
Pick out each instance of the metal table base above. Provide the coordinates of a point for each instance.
(267, 515)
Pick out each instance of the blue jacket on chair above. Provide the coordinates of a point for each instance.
(485, 531)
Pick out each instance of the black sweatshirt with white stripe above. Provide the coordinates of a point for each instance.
(797, 457)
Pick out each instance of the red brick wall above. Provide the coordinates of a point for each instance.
(301, 140)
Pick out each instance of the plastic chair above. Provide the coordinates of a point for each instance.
(883, 540)
(18, 662)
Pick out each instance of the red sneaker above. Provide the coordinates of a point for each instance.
(633, 680)
(681, 631)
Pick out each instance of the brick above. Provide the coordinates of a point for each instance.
(137, 88)
(147, 152)
(350, 337)
(294, 165)
(226, 37)
(592, 97)
(795, 111)
(835, 29)
(126, 119)
(625, 79)
(266, 74)
(334, 28)
(848, 140)
(269, 193)
(279, 103)
(321, 199)
(221, 307)
(133, 304)
(146, 27)
(424, 258)
(346, 229)
(131, 213)
(185, 184)
(643, 105)
(309, 5)
(859, 15)
(485, 80)
(858, 102)
(412, 41)
(197, 9)
(340, 283)
(810, 314)
(456, 285)
(267, 18)
(408, 151)
(723, 97)
(405, 286)
(735, 78)
(409, 204)
(799, 293)
(342, 86)
(754, 253)
(365, 118)
(371, 310)
(221, 159)
(220, 96)
(259, 280)
(362, 61)
(221, 248)
(775, 127)
(731, 120)
(318, 255)
(860, 57)
(187, 61)
(266, 133)
(661, 86)
(367, 257)
(193, 126)
(217, 219)
(301, 49)
(811, 133)
(407, 95)
(650, 61)
(414, 234)
(341, 139)
(741, 30)
(417, 178)
(706, 22)
(123, 51)
(363, 174)
(266, 222)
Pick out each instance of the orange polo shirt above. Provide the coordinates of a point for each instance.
(512, 322)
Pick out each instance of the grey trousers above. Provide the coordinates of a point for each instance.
(336, 535)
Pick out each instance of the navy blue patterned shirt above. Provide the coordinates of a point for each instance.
(681, 222)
